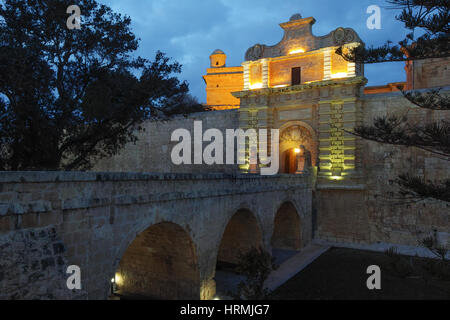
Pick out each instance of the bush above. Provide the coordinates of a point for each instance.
(256, 265)
(399, 264)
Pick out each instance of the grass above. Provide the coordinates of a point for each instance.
(340, 274)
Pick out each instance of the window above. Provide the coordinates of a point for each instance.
(296, 76)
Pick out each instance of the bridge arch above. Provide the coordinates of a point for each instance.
(287, 228)
(160, 263)
(242, 232)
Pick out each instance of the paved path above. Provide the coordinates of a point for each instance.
(294, 265)
(291, 263)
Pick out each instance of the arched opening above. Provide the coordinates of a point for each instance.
(290, 161)
(241, 234)
(298, 149)
(286, 232)
(161, 263)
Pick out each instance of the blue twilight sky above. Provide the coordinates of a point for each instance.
(189, 30)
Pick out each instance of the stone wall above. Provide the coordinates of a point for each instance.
(429, 73)
(220, 82)
(152, 152)
(33, 266)
(312, 69)
(375, 213)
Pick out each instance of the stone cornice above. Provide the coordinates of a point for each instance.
(300, 88)
(298, 23)
(62, 176)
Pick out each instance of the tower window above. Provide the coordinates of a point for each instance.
(217, 63)
(296, 76)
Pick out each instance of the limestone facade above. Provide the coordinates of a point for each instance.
(353, 178)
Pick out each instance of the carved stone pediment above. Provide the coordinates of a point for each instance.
(255, 53)
(298, 34)
(344, 35)
(296, 134)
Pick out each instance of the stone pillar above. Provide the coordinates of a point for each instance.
(208, 289)
(327, 65)
(246, 66)
(351, 69)
(255, 114)
(339, 151)
(265, 73)
(351, 66)
(337, 140)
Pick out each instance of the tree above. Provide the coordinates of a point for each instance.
(428, 21)
(71, 97)
(182, 105)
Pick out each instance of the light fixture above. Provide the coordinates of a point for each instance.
(294, 51)
(281, 86)
(113, 285)
(258, 85)
(297, 150)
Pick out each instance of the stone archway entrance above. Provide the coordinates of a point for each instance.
(298, 149)
(161, 263)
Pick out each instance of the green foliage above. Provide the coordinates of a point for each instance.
(71, 97)
(416, 267)
(433, 245)
(399, 264)
(417, 188)
(256, 265)
(430, 20)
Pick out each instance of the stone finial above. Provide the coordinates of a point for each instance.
(296, 16)
(218, 51)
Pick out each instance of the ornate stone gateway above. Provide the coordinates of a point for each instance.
(316, 116)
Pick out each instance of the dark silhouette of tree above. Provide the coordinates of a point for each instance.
(428, 21)
(71, 97)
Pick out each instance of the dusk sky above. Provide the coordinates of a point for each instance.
(189, 31)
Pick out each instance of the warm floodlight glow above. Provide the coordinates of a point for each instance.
(113, 280)
(216, 298)
(281, 86)
(256, 86)
(297, 150)
(117, 279)
(296, 51)
(339, 75)
(337, 178)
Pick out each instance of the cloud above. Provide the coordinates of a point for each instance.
(189, 30)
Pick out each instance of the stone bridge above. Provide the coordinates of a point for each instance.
(158, 235)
